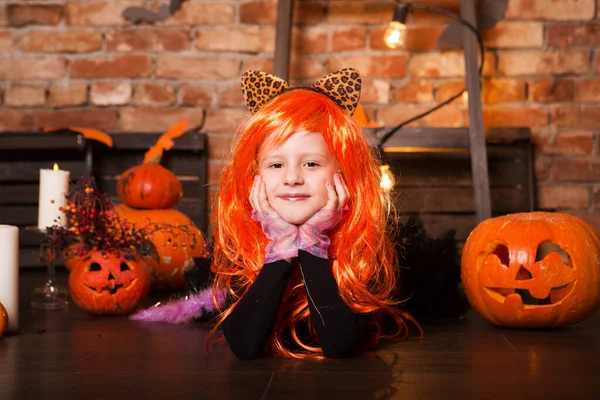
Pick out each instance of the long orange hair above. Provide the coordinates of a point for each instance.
(364, 262)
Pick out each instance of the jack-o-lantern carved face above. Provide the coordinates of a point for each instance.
(532, 270)
(105, 284)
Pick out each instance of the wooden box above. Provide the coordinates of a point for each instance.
(434, 177)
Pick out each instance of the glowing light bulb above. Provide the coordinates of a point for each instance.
(395, 35)
(387, 178)
(465, 97)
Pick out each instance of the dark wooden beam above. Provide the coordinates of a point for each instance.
(283, 38)
(136, 141)
(479, 164)
(434, 138)
(41, 140)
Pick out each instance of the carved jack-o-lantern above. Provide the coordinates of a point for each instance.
(532, 270)
(105, 284)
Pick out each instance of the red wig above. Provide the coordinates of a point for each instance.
(362, 256)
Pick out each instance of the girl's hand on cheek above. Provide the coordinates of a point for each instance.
(258, 196)
(313, 234)
(283, 236)
(337, 193)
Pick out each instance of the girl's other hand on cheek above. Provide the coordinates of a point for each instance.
(258, 195)
(337, 193)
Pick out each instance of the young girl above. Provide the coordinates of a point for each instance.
(301, 242)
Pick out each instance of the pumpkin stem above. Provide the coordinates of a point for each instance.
(164, 142)
(153, 159)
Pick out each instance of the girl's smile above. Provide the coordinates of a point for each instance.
(293, 197)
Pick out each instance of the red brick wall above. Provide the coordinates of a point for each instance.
(79, 63)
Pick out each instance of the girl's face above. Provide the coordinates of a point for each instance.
(295, 173)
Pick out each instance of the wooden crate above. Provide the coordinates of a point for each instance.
(434, 177)
(23, 154)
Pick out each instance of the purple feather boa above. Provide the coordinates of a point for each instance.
(181, 310)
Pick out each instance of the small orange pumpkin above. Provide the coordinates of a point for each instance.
(102, 283)
(149, 186)
(176, 250)
(532, 270)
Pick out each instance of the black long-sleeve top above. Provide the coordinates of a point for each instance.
(251, 322)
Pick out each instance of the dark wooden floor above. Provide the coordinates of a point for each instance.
(71, 355)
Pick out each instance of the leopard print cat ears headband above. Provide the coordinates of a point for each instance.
(343, 87)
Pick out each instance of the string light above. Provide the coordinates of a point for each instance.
(395, 34)
(387, 178)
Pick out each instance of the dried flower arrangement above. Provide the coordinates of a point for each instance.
(93, 226)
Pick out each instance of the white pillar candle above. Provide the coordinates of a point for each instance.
(9, 273)
(54, 185)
